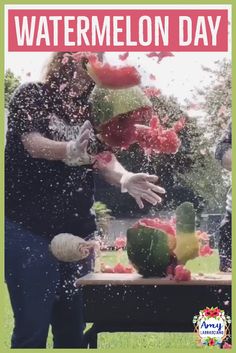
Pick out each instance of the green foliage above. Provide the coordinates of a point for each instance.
(206, 175)
(11, 82)
(217, 99)
(209, 180)
(192, 174)
(103, 215)
(101, 209)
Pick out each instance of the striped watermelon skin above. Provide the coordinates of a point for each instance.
(148, 250)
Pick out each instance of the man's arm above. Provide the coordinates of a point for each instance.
(224, 150)
(140, 186)
(41, 147)
(72, 152)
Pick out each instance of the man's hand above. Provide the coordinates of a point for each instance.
(76, 150)
(141, 187)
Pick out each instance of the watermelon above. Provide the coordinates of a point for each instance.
(187, 244)
(117, 111)
(118, 268)
(148, 250)
(112, 77)
(155, 247)
(166, 226)
(182, 273)
(108, 104)
(107, 269)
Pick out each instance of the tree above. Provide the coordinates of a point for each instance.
(207, 176)
(217, 103)
(11, 82)
(103, 215)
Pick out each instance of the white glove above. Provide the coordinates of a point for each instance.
(141, 186)
(76, 150)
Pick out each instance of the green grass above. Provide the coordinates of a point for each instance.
(207, 264)
(131, 340)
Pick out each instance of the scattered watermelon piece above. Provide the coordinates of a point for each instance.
(65, 59)
(160, 56)
(170, 271)
(203, 236)
(152, 77)
(119, 268)
(179, 125)
(106, 268)
(123, 56)
(129, 269)
(152, 92)
(152, 54)
(205, 250)
(182, 274)
(164, 54)
(120, 243)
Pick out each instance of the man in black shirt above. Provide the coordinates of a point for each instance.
(50, 190)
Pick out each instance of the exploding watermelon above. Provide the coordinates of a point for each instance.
(116, 111)
(155, 246)
(149, 247)
(122, 111)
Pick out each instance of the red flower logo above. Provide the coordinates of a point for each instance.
(211, 342)
(211, 312)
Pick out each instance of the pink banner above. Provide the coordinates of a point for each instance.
(118, 30)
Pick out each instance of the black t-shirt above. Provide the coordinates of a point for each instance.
(45, 196)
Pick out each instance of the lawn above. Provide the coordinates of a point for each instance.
(132, 340)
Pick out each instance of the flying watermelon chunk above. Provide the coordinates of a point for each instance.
(113, 77)
(117, 111)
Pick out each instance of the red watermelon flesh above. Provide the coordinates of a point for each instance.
(155, 138)
(112, 77)
(168, 227)
(156, 223)
(182, 273)
(120, 131)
